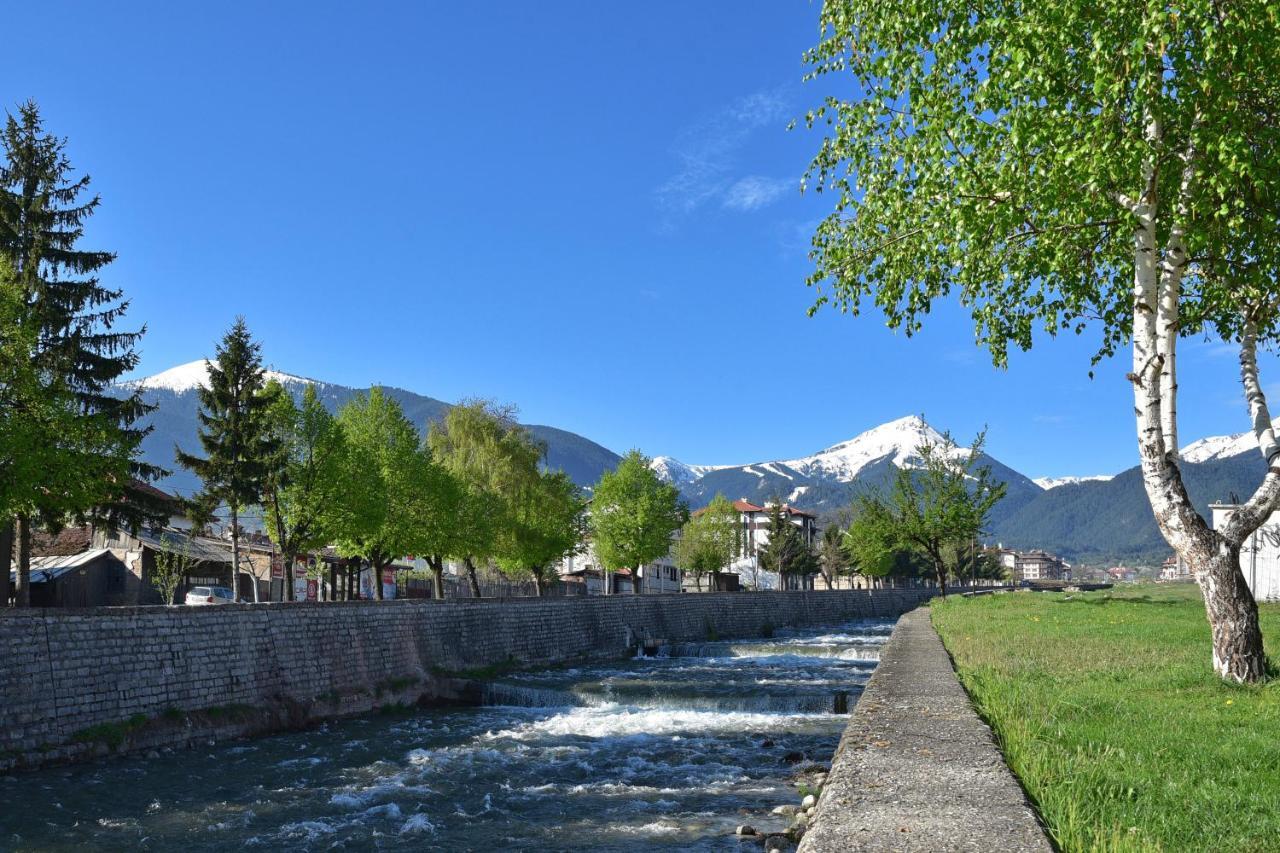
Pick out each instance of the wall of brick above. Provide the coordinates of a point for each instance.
(67, 671)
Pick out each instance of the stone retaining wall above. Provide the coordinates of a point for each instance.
(84, 682)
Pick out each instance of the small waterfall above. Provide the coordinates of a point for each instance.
(501, 693)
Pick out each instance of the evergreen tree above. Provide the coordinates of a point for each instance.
(633, 515)
(786, 553)
(833, 556)
(235, 433)
(66, 322)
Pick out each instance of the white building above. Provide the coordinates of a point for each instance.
(659, 576)
(754, 520)
(1259, 555)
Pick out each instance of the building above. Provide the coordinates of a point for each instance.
(754, 520)
(1040, 566)
(659, 576)
(93, 578)
(1259, 555)
(1174, 568)
(210, 560)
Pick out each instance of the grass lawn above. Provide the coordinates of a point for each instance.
(1108, 710)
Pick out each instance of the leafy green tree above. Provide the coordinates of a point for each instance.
(833, 556)
(492, 458)
(310, 480)
(169, 570)
(870, 541)
(943, 506)
(60, 325)
(387, 471)
(1064, 166)
(786, 552)
(547, 524)
(710, 540)
(240, 446)
(633, 515)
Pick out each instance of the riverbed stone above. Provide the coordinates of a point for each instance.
(917, 770)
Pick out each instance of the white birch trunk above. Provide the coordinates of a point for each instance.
(1214, 557)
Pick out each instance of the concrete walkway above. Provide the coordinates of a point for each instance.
(916, 768)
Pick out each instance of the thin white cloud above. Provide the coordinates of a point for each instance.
(707, 152)
(754, 192)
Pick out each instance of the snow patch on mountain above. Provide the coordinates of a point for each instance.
(1219, 447)
(674, 471)
(195, 374)
(1048, 483)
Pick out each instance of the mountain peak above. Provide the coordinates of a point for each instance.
(1219, 447)
(195, 374)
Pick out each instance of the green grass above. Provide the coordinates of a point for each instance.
(1108, 710)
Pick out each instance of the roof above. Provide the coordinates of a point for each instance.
(177, 542)
(50, 568)
(70, 540)
(744, 505)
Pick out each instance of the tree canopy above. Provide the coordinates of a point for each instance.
(710, 540)
(633, 515)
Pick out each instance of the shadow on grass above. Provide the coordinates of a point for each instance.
(1138, 599)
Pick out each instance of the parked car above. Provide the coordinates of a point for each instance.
(209, 595)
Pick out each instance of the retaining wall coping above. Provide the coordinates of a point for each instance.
(916, 768)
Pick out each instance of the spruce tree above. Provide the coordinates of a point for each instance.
(240, 448)
(89, 435)
(786, 552)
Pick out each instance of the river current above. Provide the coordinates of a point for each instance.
(662, 753)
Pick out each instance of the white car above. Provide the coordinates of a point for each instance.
(209, 595)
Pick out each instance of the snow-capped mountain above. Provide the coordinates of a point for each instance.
(1220, 447)
(827, 479)
(674, 471)
(195, 374)
(173, 422)
(1047, 483)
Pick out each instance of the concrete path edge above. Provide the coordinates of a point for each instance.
(917, 769)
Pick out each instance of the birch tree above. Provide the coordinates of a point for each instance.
(1069, 166)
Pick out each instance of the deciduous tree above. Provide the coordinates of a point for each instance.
(710, 540)
(547, 523)
(387, 470)
(633, 514)
(1063, 166)
(310, 481)
(491, 456)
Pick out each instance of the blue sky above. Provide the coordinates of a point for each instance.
(590, 210)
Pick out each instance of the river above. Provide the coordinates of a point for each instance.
(662, 753)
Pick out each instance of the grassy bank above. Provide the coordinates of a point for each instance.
(1109, 712)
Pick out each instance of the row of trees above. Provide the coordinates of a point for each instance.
(474, 490)
(926, 524)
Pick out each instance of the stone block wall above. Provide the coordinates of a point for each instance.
(68, 671)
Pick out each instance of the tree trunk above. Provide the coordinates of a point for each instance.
(826, 577)
(941, 571)
(376, 566)
(697, 582)
(333, 581)
(235, 554)
(437, 576)
(537, 586)
(637, 582)
(288, 577)
(6, 559)
(1232, 612)
(472, 580)
(22, 595)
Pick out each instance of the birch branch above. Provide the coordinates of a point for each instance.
(1262, 503)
